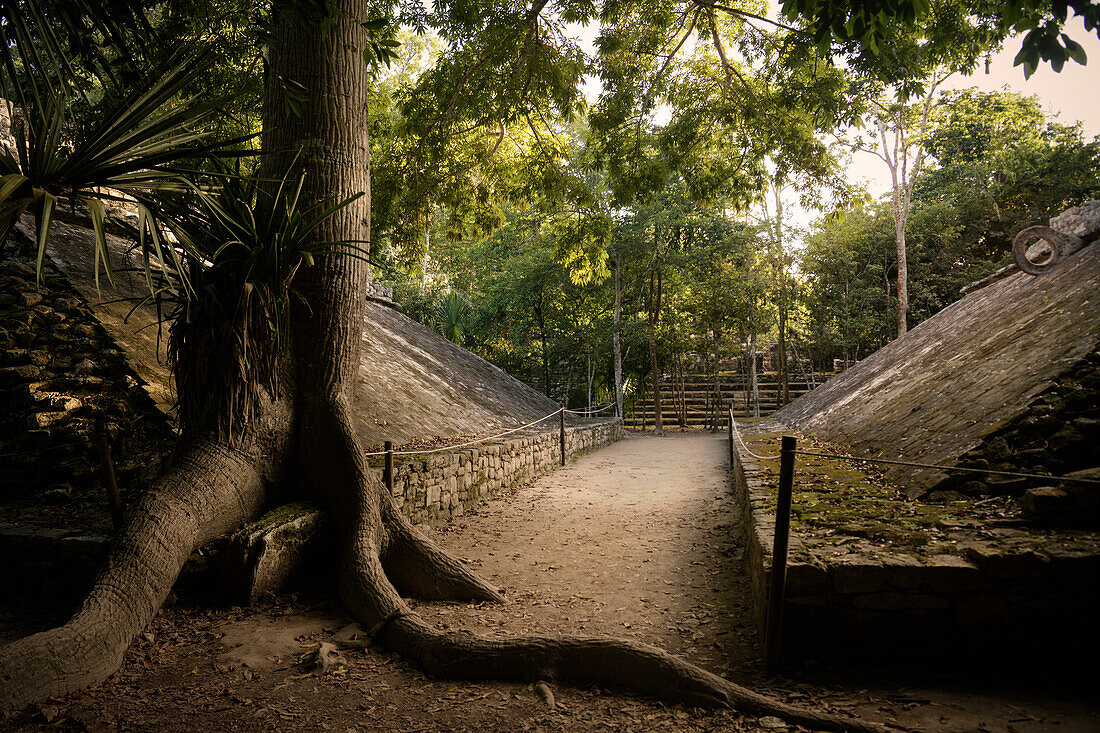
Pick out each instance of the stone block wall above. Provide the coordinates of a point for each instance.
(978, 604)
(434, 487)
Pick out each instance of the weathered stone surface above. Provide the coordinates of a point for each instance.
(1085, 496)
(1080, 221)
(1048, 502)
(957, 378)
(264, 555)
(895, 601)
(1005, 563)
(902, 571)
(950, 573)
(806, 580)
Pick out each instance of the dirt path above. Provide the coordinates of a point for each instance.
(638, 539)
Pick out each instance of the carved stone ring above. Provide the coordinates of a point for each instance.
(1061, 245)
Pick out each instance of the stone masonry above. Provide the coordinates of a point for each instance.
(971, 593)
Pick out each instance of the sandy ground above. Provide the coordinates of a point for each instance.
(639, 539)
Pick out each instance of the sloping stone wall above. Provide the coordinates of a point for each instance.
(955, 380)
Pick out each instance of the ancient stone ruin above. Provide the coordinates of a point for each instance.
(84, 363)
(896, 562)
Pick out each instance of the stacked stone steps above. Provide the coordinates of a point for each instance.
(698, 399)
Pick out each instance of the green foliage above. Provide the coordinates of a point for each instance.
(998, 165)
(867, 32)
(452, 316)
(703, 93)
(471, 121)
(126, 154)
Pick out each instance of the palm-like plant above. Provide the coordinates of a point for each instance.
(229, 290)
(452, 316)
(142, 128)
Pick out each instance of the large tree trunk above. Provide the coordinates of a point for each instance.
(754, 379)
(654, 317)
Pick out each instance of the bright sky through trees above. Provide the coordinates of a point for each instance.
(1070, 94)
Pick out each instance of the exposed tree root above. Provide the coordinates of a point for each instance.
(618, 663)
(211, 489)
(417, 565)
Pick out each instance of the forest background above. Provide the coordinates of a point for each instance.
(657, 222)
(664, 253)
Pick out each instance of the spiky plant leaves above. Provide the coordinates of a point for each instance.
(452, 316)
(242, 246)
(43, 213)
(140, 133)
(98, 214)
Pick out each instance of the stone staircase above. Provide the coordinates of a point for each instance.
(691, 402)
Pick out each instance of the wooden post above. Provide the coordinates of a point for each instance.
(562, 436)
(114, 500)
(387, 467)
(774, 626)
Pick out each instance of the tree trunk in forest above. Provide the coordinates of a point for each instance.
(568, 383)
(717, 385)
(754, 380)
(590, 373)
(653, 316)
(616, 339)
(903, 277)
(783, 375)
(903, 177)
(542, 340)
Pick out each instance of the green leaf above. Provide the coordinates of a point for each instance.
(43, 214)
(10, 183)
(1075, 50)
(99, 226)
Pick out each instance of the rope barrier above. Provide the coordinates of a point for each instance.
(737, 433)
(466, 444)
(964, 469)
(592, 411)
(913, 464)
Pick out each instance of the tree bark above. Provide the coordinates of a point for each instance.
(754, 379)
(717, 383)
(654, 316)
(616, 338)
